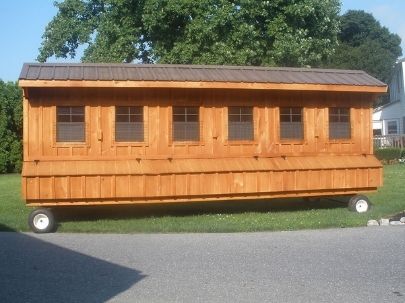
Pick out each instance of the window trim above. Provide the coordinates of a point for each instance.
(350, 139)
(225, 127)
(239, 141)
(145, 112)
(170, 121)
(57, 143)
(115, 125)
(303, 122)
(397, 126)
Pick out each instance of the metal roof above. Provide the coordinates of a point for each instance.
(195, 73)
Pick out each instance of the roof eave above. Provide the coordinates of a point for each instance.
(202, 85)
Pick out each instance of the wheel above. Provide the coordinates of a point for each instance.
(359, 204)
(41, 221)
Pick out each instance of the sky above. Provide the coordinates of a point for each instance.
(22, 23)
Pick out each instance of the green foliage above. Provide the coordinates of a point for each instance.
(243, 32)
(109, 28)
(388, 154)
(10, 127)
(366, 45)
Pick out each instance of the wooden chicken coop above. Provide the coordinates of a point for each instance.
(109, 134)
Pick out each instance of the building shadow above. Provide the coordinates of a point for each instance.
(33, 270)
(86, 213)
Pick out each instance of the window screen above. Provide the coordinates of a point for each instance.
(129, 124)
(291, 126)
(70, 124)
(339, 123)
(186, 126)
(240, 123)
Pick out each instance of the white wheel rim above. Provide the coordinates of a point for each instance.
(361, 206)
(41, 221)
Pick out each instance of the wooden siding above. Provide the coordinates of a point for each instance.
(109, 189)
(40, 125)
(103, 171)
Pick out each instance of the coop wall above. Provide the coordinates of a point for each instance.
(102, 186)
(40, 124)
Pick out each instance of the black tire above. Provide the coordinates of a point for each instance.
(41, 221)
(359, 204)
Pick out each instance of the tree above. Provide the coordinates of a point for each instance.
(365, 44)
(10, 127)
(243, 32)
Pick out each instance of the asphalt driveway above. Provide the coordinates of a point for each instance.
(339, 265)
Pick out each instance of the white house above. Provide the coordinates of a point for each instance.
(390, 118)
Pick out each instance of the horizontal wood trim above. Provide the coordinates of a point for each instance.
(209, 85)
(170, 157)
(195, 166)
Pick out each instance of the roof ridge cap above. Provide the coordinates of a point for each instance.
(199, 66)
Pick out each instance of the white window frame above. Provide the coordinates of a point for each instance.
(387, 122)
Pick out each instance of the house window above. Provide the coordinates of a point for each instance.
(339, 123)
(70, 124)
(403, 125)
(377, 132)
(291, 126)
(240, 123)
(129, 124)
(392, 127)
(186, 126)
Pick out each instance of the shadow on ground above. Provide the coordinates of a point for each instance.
(33, 270)
(5, 228)
(85, 213)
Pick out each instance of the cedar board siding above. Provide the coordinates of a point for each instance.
(99, 183)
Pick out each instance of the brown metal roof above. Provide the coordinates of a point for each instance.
(195, 73)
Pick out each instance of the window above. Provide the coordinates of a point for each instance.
(377, 132)
(129, 124)
(403, 125)
(291, 126)
(240, 123)
(186, 126)
(70, 124)
(392, 127)
(339, 123)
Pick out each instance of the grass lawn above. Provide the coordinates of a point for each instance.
(270, 215)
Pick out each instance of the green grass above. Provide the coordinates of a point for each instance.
(247, 216)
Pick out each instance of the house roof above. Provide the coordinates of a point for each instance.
(48, 73)
(377, 109)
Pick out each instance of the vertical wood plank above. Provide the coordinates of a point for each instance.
(61, 188)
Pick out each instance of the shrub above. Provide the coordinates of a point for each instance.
(389, 153)
(10, 127)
